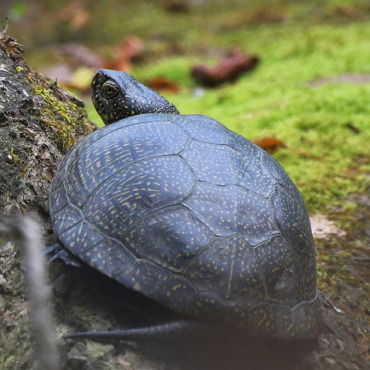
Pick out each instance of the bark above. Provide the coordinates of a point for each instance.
(39, 121)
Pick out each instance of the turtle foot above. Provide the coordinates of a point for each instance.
(62, 254)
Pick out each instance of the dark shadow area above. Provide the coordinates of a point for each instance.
(212, 348)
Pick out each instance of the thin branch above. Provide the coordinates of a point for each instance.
(26, 232)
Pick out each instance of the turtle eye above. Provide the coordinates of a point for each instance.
(110, 89)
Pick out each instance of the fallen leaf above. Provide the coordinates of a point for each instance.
(161, 84)
(228, 69)
(270, 144)
(130, 48)
(74, 13)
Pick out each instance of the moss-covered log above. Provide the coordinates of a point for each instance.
(39, 121)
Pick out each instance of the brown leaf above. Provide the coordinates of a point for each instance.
(74, 13)
(131, 47)
(229, 69)
(79, 19)
(161, 84)
(270, 144)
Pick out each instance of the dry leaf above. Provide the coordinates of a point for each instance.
(228, 70)
(270, 144)
(74, 13)
(130, 48)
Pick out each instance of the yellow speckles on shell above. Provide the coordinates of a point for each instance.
(167, 230)
(231, 209)
(225, 166)
(263, 314)
(175, 183)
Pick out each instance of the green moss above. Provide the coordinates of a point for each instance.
(60, 113)
(45, 178)
(24, 171)
(52, 107)
(54, 103)
(15, 158)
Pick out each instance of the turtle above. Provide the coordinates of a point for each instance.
(187, 213)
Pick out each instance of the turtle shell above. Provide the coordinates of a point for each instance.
(194, 216)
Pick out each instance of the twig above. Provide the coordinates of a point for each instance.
(26, 232)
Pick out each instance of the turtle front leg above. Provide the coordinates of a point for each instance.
(160, 331)
(59, 252)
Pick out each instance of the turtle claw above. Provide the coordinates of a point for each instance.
(62, 254)
(160, 331)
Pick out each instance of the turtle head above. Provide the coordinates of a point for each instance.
(117, 95)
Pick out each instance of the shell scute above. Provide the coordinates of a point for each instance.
(154, 238)
(231, 209)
